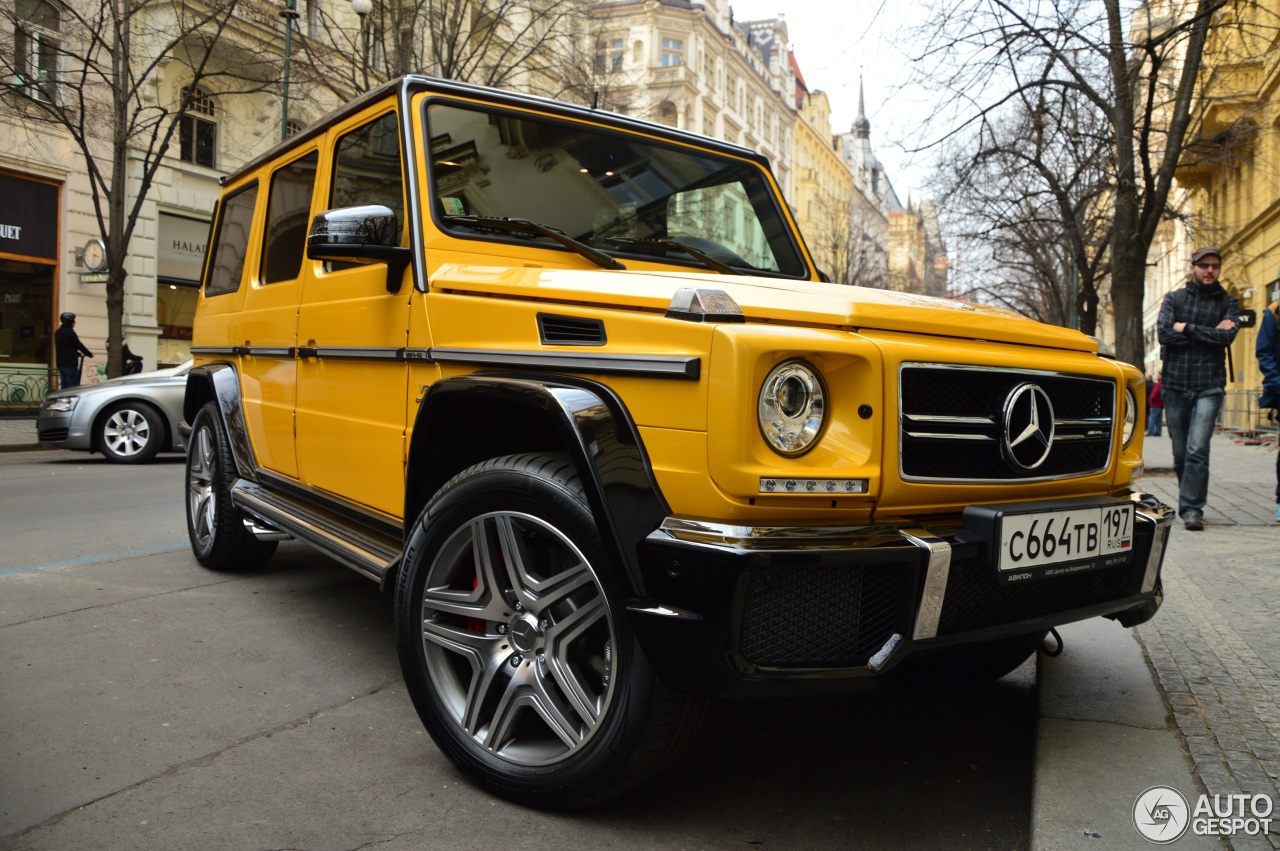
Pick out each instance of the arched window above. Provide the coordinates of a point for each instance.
(667, 114)
(198, 133)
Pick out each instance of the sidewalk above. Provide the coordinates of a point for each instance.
(18, 433)
(1190, 699)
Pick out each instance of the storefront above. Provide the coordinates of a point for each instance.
(180, 260)
(28, 269)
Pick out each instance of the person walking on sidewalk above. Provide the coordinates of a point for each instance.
(1268, 351)
(68, 348)
(1155, 409)
(1197, 323)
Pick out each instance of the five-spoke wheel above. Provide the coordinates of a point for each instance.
(514, 647)
(219, 538)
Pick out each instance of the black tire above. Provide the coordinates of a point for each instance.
(215, 526)
(967, 665)
(130, 433)
(515, 647)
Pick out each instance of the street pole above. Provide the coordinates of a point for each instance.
(363, 8)
(290, 14)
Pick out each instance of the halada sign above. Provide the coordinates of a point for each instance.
(181, 248)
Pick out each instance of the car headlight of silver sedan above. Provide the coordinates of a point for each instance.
(60, 404)
(791, 409)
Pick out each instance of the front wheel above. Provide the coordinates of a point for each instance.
(515, 648)
(215, 526)
(130, 433)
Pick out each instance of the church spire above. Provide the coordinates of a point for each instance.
(861, 126)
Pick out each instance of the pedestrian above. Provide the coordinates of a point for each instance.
(68, 348)
(1268, 350)
(1155, 409)
(1196, 326)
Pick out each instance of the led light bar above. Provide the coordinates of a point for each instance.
(820, 487)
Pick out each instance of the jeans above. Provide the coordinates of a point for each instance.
(1154, 416)
(1191, 417)
(69, 375)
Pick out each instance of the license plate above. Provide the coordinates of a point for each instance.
(1096, 534)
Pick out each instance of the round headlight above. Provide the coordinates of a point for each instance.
(1130, 427)
(792, 406)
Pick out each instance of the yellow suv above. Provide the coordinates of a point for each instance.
(572, 386)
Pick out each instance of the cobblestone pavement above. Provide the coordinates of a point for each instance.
(1215, 645)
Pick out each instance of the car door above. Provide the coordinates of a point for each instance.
(352, 376)
(268, 320)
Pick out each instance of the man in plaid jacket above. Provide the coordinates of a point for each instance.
(1195, 327)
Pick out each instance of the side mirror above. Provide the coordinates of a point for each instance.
(369, 234)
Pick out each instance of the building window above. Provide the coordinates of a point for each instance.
(609, 55)
(35, 37)
(198, 134)
(672, 52)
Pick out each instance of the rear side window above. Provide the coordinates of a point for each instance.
(231, 242)
(288, 212)
(367, 167)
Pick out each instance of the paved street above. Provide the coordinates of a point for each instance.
(148, 703)
(178, 708)
(1215, 645)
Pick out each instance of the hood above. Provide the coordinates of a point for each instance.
(768, 299)
(138, 378)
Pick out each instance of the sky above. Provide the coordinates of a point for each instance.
(836, 42)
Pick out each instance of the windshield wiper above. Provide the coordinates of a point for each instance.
(665, 245)
(503, 224)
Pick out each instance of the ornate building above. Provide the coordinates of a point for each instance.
(692, 66)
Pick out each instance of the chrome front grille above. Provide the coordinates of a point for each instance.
(952, 423)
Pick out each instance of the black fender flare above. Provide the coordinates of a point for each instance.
(219, 382)
(468, 419)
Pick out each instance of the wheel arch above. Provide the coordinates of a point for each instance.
(469, 419)
(220, 383)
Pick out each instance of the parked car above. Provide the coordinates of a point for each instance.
(571, 384)
(128, 419)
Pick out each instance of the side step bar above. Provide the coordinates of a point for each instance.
(356, 546)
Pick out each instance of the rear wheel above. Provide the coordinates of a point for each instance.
(515, 648)
(130, 433)
(215, 526)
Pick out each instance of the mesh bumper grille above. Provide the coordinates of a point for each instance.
(825, 615)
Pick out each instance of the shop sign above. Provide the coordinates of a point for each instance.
(28, 217)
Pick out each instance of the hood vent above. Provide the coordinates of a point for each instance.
(570, 330)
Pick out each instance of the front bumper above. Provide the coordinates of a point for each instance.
(61, 429)
(753, 612)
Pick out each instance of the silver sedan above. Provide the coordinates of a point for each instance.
(127, 419)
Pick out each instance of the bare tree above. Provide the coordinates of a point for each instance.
(1035, 186)
(520, 44)
(847, 237)
(1003, 57)
(105, 99)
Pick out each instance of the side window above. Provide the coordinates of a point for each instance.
(288, 214)
(231, 242)
(367, 170)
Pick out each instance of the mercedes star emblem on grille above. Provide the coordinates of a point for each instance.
(1028, 427)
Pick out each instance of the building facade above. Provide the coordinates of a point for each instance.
(52, 252)
(692, 66)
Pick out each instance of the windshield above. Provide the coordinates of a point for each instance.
(594, 185)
